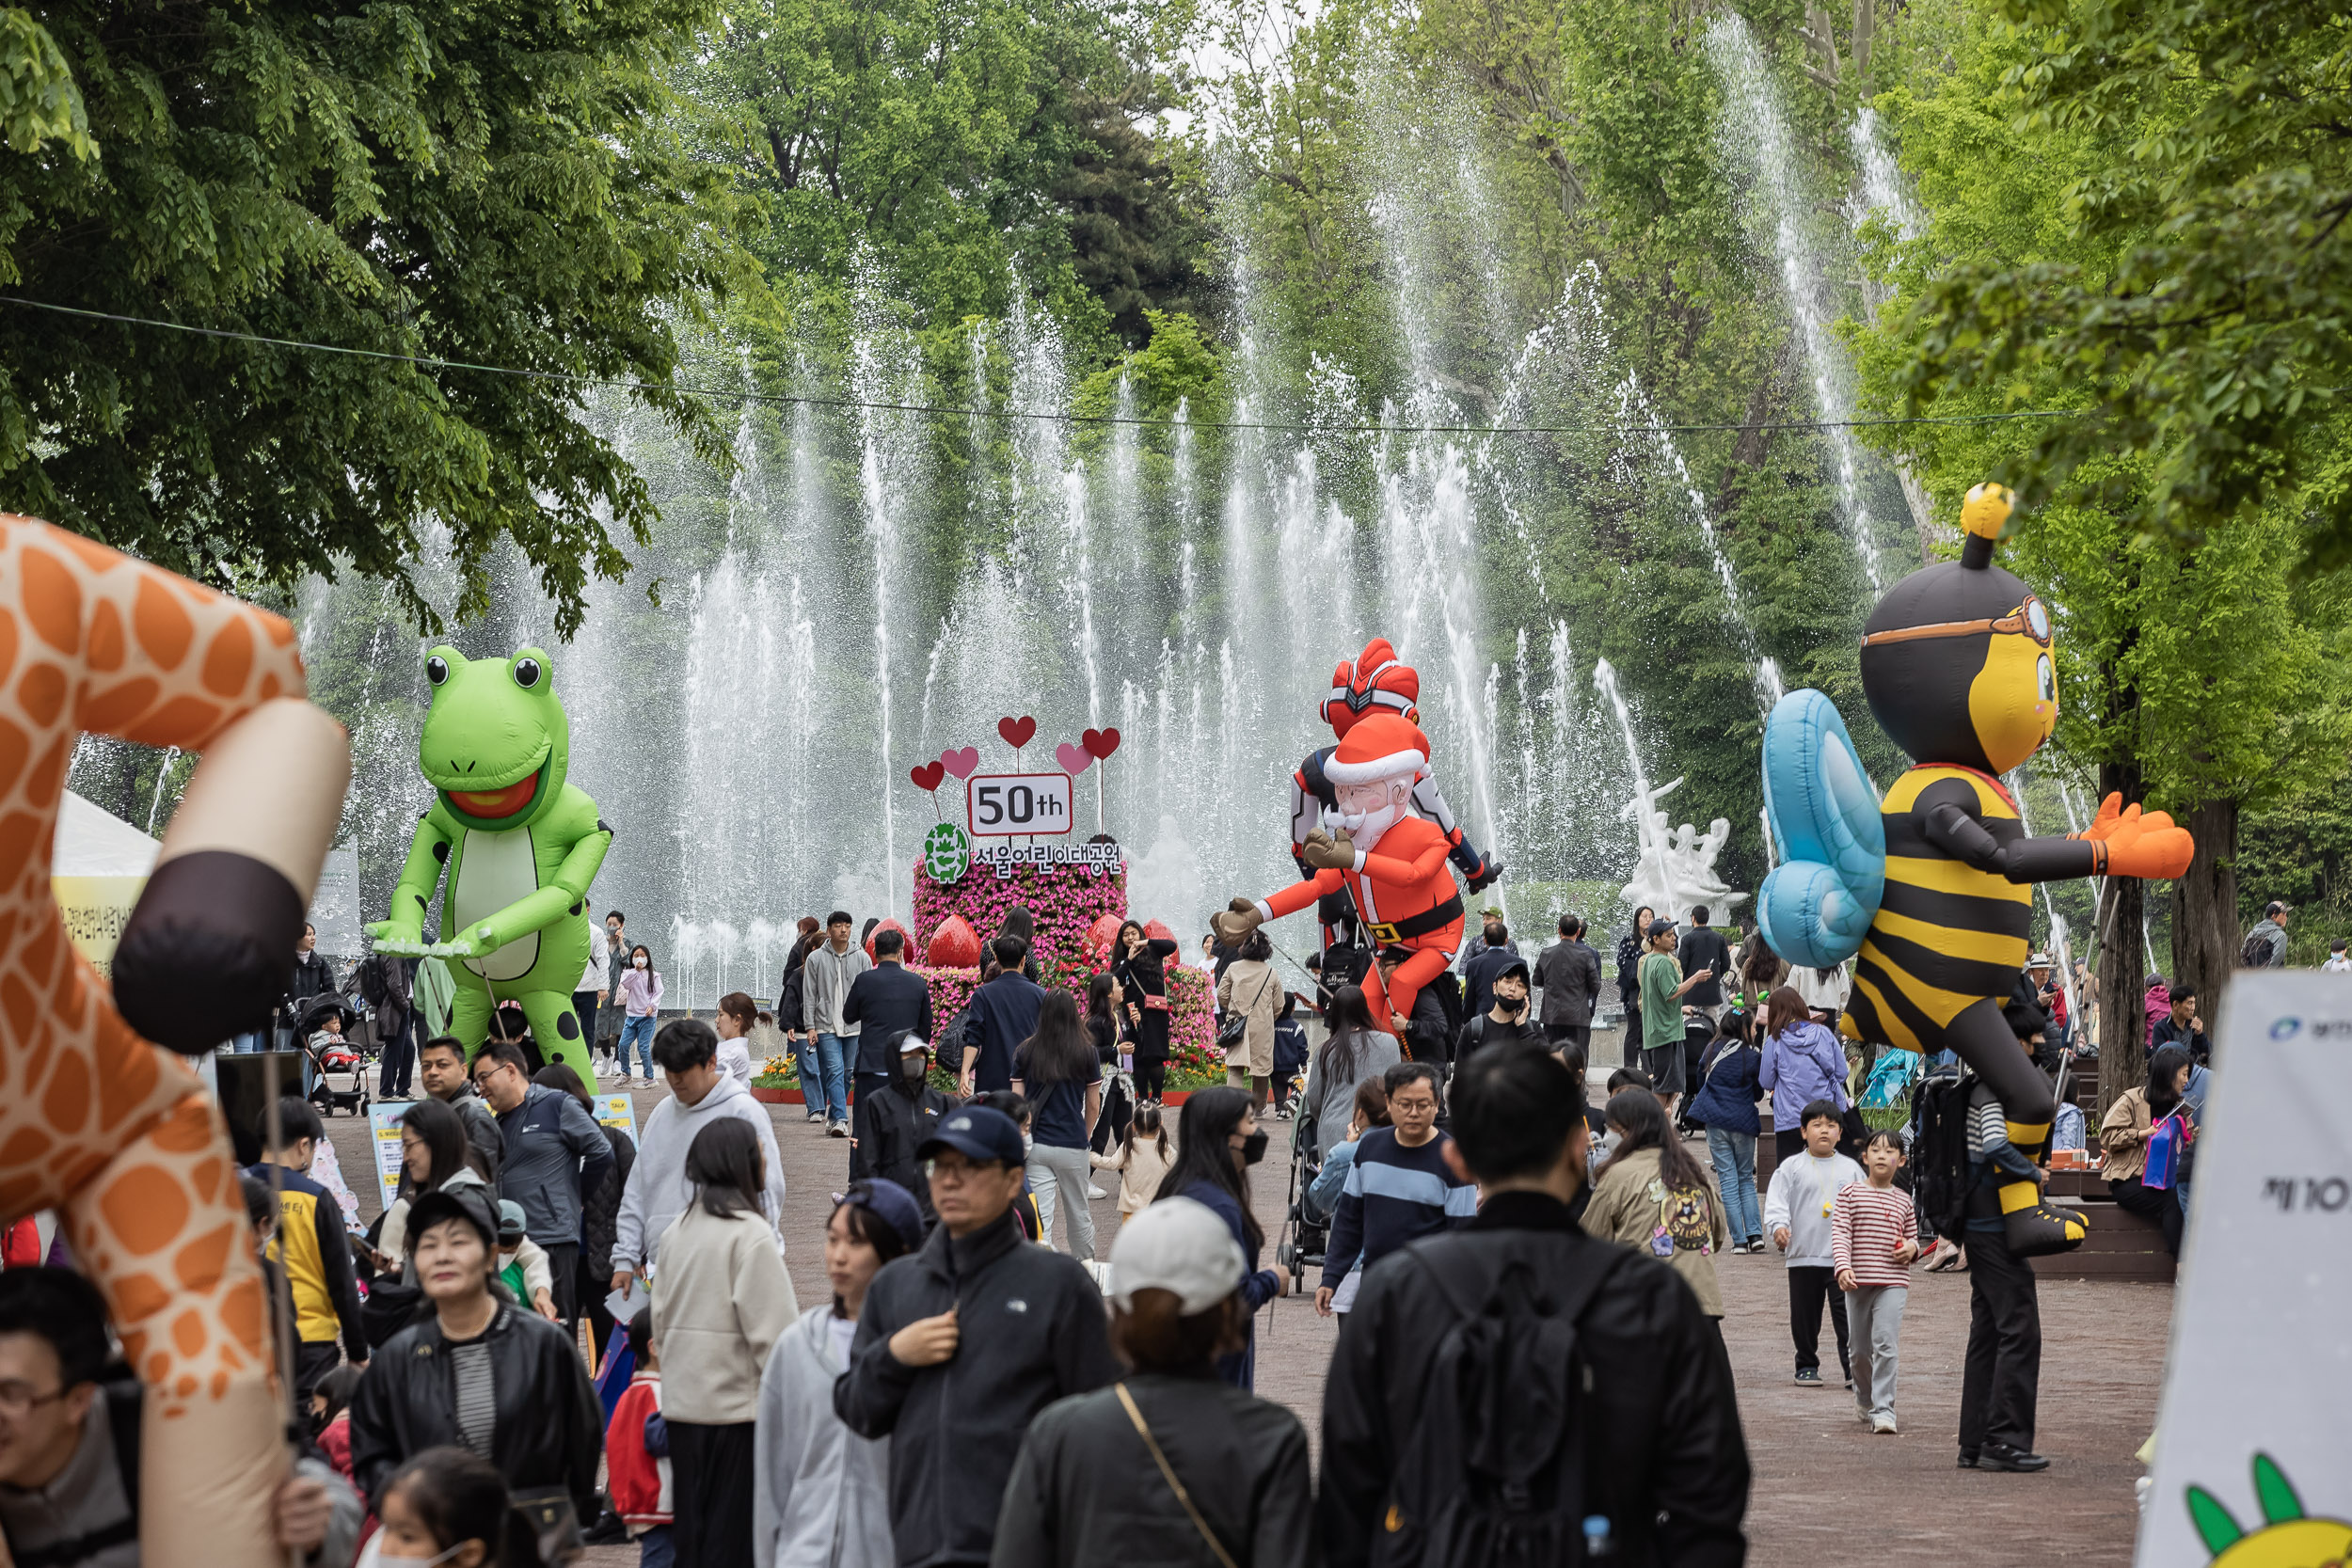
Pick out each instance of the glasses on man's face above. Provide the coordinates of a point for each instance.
(17, 1400)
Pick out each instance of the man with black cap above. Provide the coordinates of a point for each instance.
(956, 1409)
(894, 1122)
(1506, 1019)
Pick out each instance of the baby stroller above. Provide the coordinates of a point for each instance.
(338, 1071)
(1305, 1233)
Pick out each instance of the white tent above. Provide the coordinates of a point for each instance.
(101, 864)
(96, 843)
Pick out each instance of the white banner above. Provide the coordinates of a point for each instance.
(384, 1133)
(2254, 1466)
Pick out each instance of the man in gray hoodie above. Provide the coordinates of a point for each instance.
(701, 1092)
(825, 980)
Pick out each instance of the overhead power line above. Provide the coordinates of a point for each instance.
(726, 394)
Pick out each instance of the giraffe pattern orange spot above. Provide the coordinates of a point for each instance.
(188, 721)
(24, 1145)
(116, 706)
(197, 1265)
(185, 1131)
(145, 1208)
(41, 691)
(95, 556)
(8, 643)
(48, 775)
(164, 625)
(270, 689)
(241, 1313)
(229, 661)
(52, 598)
(139, 1297)
(66, 1103)
(106, 647)
(19, 831)
(15, 747)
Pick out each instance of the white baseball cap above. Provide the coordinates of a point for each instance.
(1180, 1245)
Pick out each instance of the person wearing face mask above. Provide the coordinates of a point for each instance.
(1505, 1021)
(896, 1122)
(1216, 1142)
(447, 1507)
(641, 1004)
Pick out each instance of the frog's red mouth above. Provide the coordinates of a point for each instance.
(491, 805)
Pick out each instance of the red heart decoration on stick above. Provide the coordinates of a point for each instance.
(1017, 732)
(1100, 743)
(962, 761)
(1073, 761)
(927, 775)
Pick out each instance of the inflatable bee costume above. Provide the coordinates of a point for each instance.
(1930, 891)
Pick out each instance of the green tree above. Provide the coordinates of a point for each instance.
(484, 186)
(2195, 668)
(2198, 306)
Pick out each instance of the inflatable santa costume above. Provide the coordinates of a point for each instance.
(1389, 864)
(1376, 682)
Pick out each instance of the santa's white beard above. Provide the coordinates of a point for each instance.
(1363, 828)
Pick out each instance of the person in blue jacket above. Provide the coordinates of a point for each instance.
(1725, 1106)
(1217, 1143)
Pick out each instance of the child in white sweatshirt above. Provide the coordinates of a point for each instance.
(1797, 1211)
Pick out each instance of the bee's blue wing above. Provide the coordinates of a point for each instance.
(1818, 904)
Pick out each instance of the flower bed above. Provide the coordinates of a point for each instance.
(1064, 901)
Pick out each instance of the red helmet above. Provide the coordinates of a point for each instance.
(1376, 682)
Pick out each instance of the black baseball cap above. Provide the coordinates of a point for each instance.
(469, 1203)
(1659, 927)
(1516, 966)
(976, 1133)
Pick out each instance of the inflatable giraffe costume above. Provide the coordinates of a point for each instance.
(117, 1132)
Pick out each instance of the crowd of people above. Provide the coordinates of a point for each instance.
(554, 1333)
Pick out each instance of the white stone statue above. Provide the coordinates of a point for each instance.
(1677, 869)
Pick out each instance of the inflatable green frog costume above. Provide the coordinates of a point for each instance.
(520, 845)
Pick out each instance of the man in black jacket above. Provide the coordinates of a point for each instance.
(956, 1410)
(1703, 947)
(893, 1122)
(1670, 1476)
(885, 1001)
(1568, 973)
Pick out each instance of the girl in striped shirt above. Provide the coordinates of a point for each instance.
(1874, 1234)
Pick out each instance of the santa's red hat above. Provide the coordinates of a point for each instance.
(1376, 681)
(1377, 746)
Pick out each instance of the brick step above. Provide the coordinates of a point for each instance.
(2152, 1267)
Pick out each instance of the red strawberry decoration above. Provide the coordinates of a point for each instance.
(886, 926)
(954, 946)
(1100, 744)
(928, 775)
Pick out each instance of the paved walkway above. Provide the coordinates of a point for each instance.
(1826, 1493)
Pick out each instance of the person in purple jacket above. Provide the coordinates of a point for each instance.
(1802, 1063)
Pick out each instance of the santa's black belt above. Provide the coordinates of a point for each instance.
(1420, 925)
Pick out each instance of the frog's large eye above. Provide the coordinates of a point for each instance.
(437, 669)
(527, 673)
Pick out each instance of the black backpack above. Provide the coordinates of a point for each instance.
(2256, 954)
(1493, 1474)
(1939, 1151)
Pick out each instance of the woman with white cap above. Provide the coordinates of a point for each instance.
(1207, 1473)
